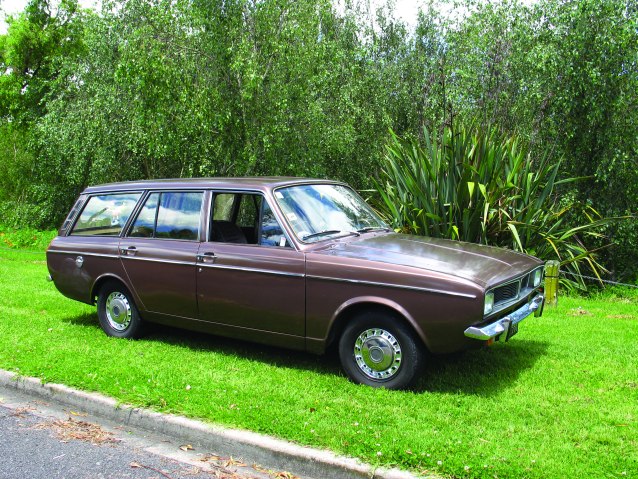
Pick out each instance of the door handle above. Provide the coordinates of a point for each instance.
(130, 251)
(206, 258)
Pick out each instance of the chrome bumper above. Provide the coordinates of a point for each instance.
(492, 330)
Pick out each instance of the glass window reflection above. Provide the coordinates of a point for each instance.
(316, 212)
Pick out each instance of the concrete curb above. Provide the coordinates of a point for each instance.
(249, 446)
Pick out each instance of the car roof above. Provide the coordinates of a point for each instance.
(260, 183)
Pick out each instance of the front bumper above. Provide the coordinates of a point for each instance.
(503, 325)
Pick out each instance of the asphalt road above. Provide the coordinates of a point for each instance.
(43, 441)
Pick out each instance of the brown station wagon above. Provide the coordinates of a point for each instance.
(296, 263)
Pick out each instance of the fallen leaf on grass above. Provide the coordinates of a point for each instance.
(579, 312)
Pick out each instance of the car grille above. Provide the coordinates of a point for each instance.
(507, 292)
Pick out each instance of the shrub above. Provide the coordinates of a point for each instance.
(25, 238)
(476, 185)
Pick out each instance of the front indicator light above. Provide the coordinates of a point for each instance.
(489, 303)
(538, 276)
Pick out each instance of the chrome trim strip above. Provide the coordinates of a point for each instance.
(156, 260)
(250, 270)
(396, 286)
(83, 253)
(502, 325)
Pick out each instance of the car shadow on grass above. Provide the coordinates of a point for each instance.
(87, 319)
(326, 364)
(280, 357)
(485, 371)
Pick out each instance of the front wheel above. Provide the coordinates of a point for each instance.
(379, 350)
(117, 312)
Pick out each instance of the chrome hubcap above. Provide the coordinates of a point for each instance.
(118, 311)
(377, 353)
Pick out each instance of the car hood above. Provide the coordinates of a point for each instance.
(481, 264)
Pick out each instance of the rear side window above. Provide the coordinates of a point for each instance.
(105, 215)
(144, 226)
(170, 215)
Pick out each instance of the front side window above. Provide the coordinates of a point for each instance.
(271, 232)
(169, 215)
(317, 212)
(105, 215)
(245, 218)
(224, 206)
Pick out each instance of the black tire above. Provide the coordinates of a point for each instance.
(117, 312)
(380, 350)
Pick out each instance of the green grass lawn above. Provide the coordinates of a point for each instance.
(558, 401)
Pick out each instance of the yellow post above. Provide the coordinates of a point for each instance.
(552, 269)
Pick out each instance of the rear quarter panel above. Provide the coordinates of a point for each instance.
(100, 255)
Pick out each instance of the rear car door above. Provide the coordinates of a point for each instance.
(160, 249)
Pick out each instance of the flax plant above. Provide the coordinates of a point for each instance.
(477, 185)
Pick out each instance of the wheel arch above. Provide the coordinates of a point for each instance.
(360, 305)
(105, 278)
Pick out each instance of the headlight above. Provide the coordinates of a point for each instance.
(538, 276)
(489, 303)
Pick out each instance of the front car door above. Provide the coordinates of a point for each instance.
(250, 280)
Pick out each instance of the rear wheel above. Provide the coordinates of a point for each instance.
(117, 312)
(379, 350)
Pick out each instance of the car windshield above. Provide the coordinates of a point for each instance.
(317, 212)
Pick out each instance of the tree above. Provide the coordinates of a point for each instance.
(31, 53)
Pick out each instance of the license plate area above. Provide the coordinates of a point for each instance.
(511, 331)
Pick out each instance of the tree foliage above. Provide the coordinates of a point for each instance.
(163, 88)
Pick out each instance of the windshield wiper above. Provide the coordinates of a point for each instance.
(328, 232)
(373, 228)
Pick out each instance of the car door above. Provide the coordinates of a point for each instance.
(249, 277)
(160, 249)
